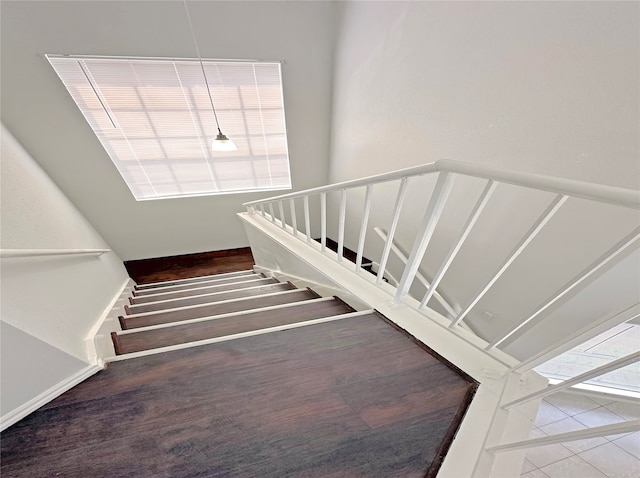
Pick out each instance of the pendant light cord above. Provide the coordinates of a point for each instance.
(195, 43)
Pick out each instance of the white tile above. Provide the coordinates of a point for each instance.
(527, 466)
(613, 461)
(627, 410)
(598, 417)
(535, 474)
(547, 413)
(571, 403)
(572, 467)
(545, 455)
(602, 399)
(630, 443)
(571, 425)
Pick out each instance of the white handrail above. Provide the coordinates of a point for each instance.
(50, 252)
(597, 192)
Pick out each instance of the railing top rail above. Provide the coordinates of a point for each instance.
(49, 252)
(378, 178)
(629, 198)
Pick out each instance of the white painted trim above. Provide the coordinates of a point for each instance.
(181, 287)
(45, 397)
(196, 306)
(200, 288)
(225, 338)
(224, 316)
(112, 309)
(276, 286)
(195, 279)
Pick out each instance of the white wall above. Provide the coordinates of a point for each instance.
(30, 366)
(542, 87)
(56, 299)
(39, 111)
(545, 87)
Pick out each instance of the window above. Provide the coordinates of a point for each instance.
(154, 119)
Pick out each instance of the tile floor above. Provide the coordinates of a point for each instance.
(615, 456)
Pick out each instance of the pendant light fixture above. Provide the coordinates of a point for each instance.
(222, 142)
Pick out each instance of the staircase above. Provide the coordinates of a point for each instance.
(174, 314)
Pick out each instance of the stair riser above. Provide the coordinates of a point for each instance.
(200, 290)
(370, 313)
(295, 295)
(191, 285)
(193, 279)
(180, 334)
(207, 298)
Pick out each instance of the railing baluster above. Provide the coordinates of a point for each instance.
(564, 344)
(307, 220)
(584, 275)
(425, 233)
(363, 226)
(261, 207)
(471, 221)
(282, 218)
(402, 190)
(272, 213)
(629, 426)
(323, 221)
(583, 377)
(546, 216)
(341, 220)
(294, 219)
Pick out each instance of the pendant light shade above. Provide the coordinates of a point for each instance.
(222, 143)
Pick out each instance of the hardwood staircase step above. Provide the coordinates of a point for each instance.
(194, 279)
(208, 298)
(190, 285)
(232, 305)
(198, 290)
(219, 327)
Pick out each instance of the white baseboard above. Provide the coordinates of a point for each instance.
(98, 340)
(45, 397)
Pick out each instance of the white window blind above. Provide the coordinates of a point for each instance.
(154, 119)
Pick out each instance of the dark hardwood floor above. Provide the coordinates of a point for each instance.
(351, 398)
(158, 269)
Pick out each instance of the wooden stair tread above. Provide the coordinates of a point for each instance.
(175, 288)
(208, 298)
(197, 290)
(145, 288)
(248, 303)
(179, 334)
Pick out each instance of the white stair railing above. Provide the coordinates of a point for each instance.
(564, 190)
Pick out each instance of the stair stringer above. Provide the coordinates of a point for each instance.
(485, 424)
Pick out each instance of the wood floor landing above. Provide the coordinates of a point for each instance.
(350, 398)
